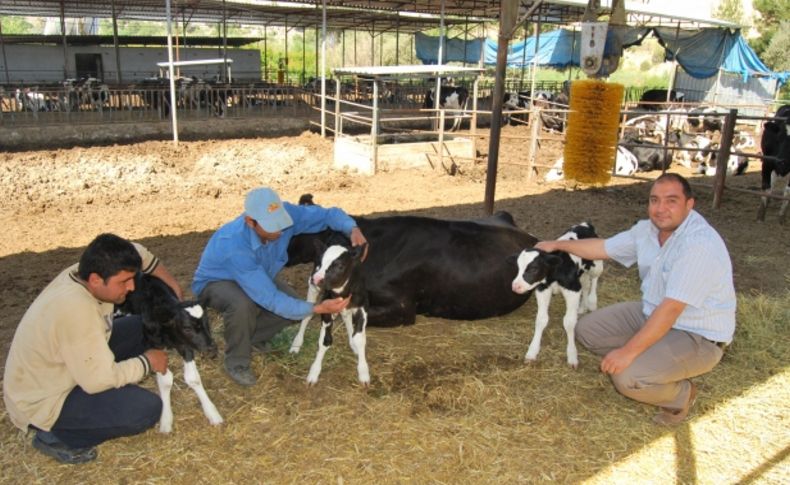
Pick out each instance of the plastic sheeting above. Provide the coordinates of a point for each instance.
(558, 48)
(703, 52)
(427, 48)
(700, 52)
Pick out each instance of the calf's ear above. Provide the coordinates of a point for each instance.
(553, 259)
(358, 251)
(319, 245)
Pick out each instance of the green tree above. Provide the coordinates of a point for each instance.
(777, 54)
(731, 10)
(772, 12)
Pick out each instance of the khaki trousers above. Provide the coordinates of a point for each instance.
(658, 376)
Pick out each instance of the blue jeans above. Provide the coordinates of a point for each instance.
(89, 419)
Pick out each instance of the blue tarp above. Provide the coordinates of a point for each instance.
(699, 52)
(428, 49)
(702, 52)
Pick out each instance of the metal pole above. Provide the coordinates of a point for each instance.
(65, 44)
(171, 71)
(374, 129)
(323, 71)
(265, 56)
(373, 43)
(466, 36)
(438, 93)
(5, 59)
(317, 47)
(496, 121)
(397, 40)
(304, 52)
(224, 43)
(523, 59)
(343, 48)
(723, 157)
(118, 77)
(355, 48)
(286, 51)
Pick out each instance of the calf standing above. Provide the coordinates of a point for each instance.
(775, 143)
(559, 272)
(171, 324)
(338, 273)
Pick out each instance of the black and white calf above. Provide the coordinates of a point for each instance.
(338, 273)
(450, 97)
(171, 324)
(559, 272)
(775, 143)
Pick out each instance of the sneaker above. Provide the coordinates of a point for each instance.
(62, 453)
(263, 347)
(673, 417)
(241, 374)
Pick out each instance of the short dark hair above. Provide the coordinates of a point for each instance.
(108, 255)
(668, 176)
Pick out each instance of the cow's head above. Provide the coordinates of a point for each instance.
(534, 266)
(336, 265)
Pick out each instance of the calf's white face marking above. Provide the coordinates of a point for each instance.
(331, 254)
(196, 311)
(524, 259)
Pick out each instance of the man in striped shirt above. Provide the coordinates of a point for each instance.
(651, 348)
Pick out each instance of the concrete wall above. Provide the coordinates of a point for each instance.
(54, 136)
(30, 64)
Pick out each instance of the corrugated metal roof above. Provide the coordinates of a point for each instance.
(368, 15)
(125, 40)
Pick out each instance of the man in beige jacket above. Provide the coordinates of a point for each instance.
(71, 367)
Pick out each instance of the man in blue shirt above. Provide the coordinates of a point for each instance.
(686, 318)
(239, 273)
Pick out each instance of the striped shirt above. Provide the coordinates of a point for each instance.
(693, 266)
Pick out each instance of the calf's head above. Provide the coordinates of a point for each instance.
(191, 325)
(335, 264)
(534, 266)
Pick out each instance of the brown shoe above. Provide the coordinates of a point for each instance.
(673, 417)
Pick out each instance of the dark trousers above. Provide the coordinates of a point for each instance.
(89, 419)
(246, 322)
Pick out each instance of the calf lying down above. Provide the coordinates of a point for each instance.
(171, 324)
(559, 272)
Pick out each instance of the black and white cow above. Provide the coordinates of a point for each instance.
(559, 272)
(515, 102)
(625, 164)
(450, 97)
(650, 155)
(656, 99)
(171, 324)
(338, 273)
(775, 143)
(704, 119)
(695, 145)
(455, 269)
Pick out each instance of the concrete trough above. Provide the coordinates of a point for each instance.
(401, 151)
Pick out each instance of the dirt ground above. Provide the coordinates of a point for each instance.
(56, 201)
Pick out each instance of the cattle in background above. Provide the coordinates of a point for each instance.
(450, 97)
(650, 156)
(736, 165)
(656, 99)
(196, 93)
(625, 164)
(694, 154)
(515, 102)
(29, 99)
(154, 93)
(703, 119)
(171, 324)
(559, 272)
(545, 100)
(775, 143)
(455, 269)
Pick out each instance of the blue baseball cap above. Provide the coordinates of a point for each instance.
(264, 205)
